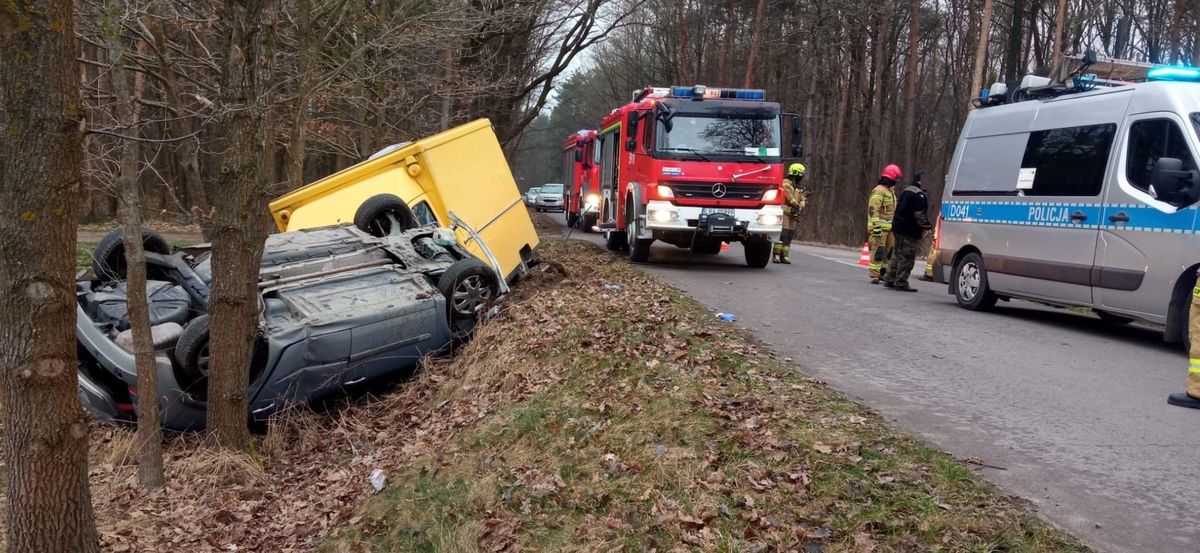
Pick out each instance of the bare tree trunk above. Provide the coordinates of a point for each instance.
(1012, 53)
(48, 504)
(240, 205)
(755, 38)
(187, 151)
(1056, 56)
(985, 28)
(910, 93)
(448, 86)
(149, 425)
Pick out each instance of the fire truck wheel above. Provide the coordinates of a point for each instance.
(614, 240)
(758, 253)
(639, 248)
(572, 219)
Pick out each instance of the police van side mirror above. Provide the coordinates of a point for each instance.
(1172, 184)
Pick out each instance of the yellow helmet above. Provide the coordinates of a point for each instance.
(797, 169)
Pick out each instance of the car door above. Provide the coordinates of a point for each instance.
(1145, 243)
(607, 161)
(1051, 237)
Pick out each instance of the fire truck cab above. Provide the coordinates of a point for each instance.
(694, 167)
(579, 176)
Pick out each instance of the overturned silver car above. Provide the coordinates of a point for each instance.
(338, 307)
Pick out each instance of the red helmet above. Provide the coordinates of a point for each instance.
(893, 172)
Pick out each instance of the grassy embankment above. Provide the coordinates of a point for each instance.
(626, 417)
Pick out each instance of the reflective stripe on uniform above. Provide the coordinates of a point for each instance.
(1196, 292)
(1194, 365)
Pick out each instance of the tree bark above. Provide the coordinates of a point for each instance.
(1012, 54)
(149, 424)
(910, 93)
(755, 38)
(981, 49)
(239, 234)
(48, 504)
(1057, 54)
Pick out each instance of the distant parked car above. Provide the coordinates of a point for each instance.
(550, 198)
(337, 307)
(531, 195)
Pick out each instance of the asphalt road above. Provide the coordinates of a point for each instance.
(1072, 410)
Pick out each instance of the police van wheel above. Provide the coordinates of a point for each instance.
(971, 284)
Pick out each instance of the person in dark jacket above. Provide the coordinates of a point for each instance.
(909, 225)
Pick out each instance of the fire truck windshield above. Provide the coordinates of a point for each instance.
(725, 135)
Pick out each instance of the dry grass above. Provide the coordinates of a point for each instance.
(581, 419)
(633, 420)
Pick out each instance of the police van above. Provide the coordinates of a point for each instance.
(1080, 194)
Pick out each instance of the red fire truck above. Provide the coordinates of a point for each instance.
(579, 176)
(694, 167)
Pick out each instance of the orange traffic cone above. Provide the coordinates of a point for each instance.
(865, 258)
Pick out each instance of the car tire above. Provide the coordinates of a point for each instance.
(970, 284)
(191, 353)
(469, 287)
(108, 259)
(1113, 318)
(758, 253)
(379, 215)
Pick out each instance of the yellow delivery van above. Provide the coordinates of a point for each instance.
(457, 179)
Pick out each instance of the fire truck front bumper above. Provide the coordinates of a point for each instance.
(727, 223)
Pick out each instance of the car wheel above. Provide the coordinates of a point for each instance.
(758, 253)
(108, 259)
(1113, 318)
(191, 354)
(384, 215)
(971, 289)
(469, 287)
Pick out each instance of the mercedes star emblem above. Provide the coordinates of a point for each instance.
(719, 190)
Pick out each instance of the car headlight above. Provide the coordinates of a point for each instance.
(769, 220)
(665, 192)
(771, 195)
(663, 215)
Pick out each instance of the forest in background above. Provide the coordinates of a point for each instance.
(877, 82)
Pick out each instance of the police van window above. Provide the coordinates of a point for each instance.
(1069, 161)
(423, 214)
(1149, 140)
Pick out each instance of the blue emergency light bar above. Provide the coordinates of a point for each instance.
(1174, 73)
(701, 92)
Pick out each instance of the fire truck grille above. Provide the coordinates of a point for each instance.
(704, 191)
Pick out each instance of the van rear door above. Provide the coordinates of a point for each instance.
(1145, 244)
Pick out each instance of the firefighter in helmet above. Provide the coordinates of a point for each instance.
(1191, 397)
(880, 209)
(794, 200)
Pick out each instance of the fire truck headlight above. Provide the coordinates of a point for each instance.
(665, 192)
(770, 196)
(593, 199)
(769, 220)
(663, 215)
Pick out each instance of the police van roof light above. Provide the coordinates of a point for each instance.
(1174, 73)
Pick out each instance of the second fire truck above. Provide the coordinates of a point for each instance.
(582, 201)
(695, 167)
